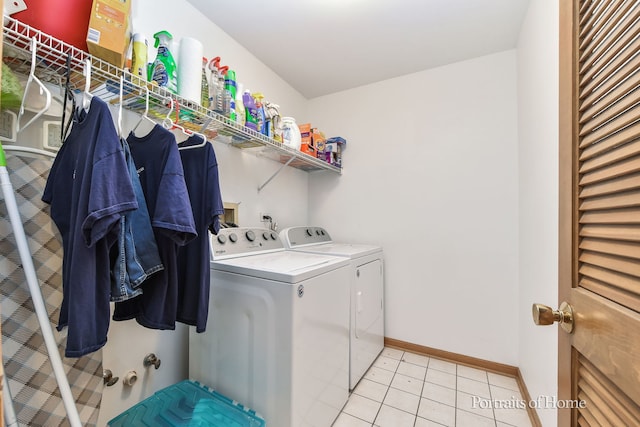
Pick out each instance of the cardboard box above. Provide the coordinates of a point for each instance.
(308, 149)
(305, 133)
(110, 30)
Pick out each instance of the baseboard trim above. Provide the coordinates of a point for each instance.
(474, 362)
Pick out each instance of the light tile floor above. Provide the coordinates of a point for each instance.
(403, 389)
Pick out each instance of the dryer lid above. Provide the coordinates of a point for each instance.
(341, 249)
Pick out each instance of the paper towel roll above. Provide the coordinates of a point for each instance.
(190, 69)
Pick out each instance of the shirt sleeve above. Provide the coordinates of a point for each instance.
(110, 191)
(215, 207)
(173, 213)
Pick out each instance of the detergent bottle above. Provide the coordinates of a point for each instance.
(163, 69)
(231, 87)
(251, 112)
(262, 120)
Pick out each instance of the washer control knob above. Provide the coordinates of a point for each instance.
(233, 237)
(322, 232)
(222, 239)
(265, 235)
(251, 236)
(274, 236)
(309, 232)
(317, 232)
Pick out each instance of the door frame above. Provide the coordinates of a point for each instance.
(567, 166)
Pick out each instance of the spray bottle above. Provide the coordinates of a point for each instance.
(223, 94)
(213, 85)
(163, 69)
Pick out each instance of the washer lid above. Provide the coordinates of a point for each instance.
(341, 249)
(283, 266)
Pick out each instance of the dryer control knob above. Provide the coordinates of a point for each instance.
(222, 239)
(233, 237)
(274, 236)
(265, 235)
(317, 232)
(251, 236)
(309, 232)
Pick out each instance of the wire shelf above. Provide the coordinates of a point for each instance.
(51, 67)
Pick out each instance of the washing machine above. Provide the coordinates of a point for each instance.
(277, 336)
(366, 283)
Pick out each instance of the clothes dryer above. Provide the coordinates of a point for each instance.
(366, 283)
(277, 337)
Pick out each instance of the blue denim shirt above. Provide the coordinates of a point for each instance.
(138, 255)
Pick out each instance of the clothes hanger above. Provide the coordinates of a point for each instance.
(43, 90)
(68, 96)
(169, 124)
(202, 144)
(87, 95)
(146, 111)
(120, 106)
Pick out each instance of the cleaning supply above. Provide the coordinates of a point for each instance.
(239, 106)
(204, 85)
(223, 95)
(272, 111)
(251, 112)
(213, 85)
(291, 133)
(163, 69)
(262, 119)
(139, 48)
(230, 87)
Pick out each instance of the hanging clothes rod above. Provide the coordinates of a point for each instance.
(36, 294)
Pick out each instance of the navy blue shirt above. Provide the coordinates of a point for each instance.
(201, 175)
(88, 189)
(161, 175)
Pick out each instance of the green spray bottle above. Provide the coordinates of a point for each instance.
(163, 69)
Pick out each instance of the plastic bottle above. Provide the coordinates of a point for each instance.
(291, 133)
(213, 85)
(204, 85)
(139, 48)
(240, 110)
(251, 112)
(230, 87)
(163, 69)
(262, 119)
(223, 95)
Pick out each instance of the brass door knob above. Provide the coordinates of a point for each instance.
(545, 315)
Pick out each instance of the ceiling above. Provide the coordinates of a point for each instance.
(325, 46)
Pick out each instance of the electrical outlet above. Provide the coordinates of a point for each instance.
(265, 217)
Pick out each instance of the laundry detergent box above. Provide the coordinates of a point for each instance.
(110, 30)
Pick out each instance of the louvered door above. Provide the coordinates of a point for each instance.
(599, 252)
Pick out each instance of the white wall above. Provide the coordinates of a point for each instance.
(431, 174)
(538, 189)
